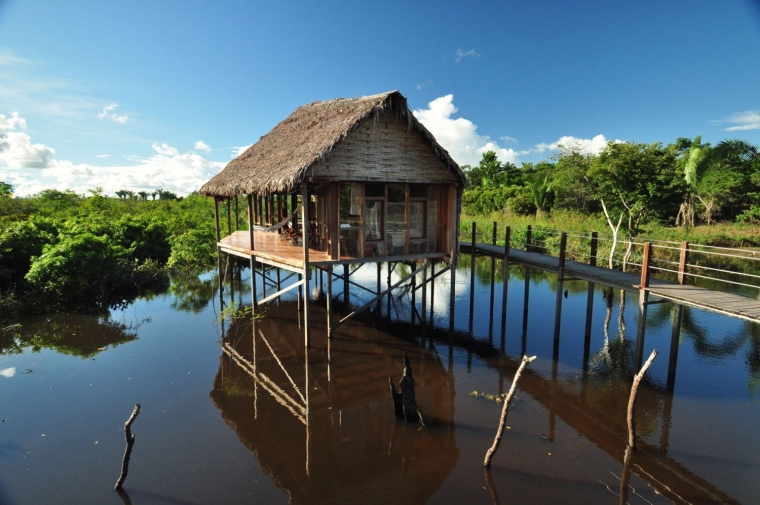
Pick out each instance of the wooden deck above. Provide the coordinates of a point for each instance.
(720, 302)
(269, 248)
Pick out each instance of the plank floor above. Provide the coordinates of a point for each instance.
(730, 304)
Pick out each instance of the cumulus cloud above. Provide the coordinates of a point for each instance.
(167, 168)
(16, 147)
(584, 146)
(108, 112)
(202, 146)
(747, 120)
(461, 54)
(459, 135)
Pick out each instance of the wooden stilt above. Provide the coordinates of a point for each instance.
(505, 285)
(329, 300)
(560, 286)
(305, 238)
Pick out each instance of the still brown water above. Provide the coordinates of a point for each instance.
(210, 433)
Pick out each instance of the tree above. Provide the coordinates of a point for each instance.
(635, 182)
(489, 172)
(6, 190)
(693, 160)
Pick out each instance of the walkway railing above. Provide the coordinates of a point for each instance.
(719, 268)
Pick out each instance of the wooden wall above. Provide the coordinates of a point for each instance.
(385, 151)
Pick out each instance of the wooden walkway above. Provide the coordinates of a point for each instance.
(720, 302)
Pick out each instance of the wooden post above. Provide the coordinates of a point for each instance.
(329, 300)
(646, 259)
(505, 281)
(472, 275)
(216, 219)
(237, 213)
(590, 296)
(379, 273)
(493, 282)
(229, 217)
(683, 263)
(305, 239)
(560, 285)
(528, 235)
(424, 295)
(251, 220)
(638, 352)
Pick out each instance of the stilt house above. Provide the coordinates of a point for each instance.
(350, 180)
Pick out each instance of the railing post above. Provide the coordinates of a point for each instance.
(528, 235)
(493, 240)
(594, 247)
(474, 231)
(562, 253)
(682, 263)
(647, 257)
(505, 285)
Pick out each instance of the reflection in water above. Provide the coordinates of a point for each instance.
(321, 422)
(82, 335)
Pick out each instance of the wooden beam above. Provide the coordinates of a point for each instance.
(373, 300)
(305, 240)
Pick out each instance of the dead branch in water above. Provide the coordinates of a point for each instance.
(128, 451)
(632, 400)
(505, 411)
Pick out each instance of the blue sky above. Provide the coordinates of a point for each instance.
(162, 94)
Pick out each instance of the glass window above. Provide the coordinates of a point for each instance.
(373, 220)
(374, 190)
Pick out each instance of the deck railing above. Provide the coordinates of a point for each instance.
(738, 270)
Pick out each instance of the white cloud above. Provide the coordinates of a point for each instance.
(102, 155)
(461, 54)
(747, 120)
(165, 150)
(8, 372)
(16, 148)
(424, 85)
(237, 151)
(202, 146)
(584, 146)
(108, 112)
(507, 138)
(459, 135)
(168, 168)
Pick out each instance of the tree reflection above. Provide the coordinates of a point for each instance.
(81, 335)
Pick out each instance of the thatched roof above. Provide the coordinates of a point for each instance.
(278, 162)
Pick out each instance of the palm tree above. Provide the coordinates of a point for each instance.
(694, 159)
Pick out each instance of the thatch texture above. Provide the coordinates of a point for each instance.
(278, 162)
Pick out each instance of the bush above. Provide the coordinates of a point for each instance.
(81, 272)
(194, 249)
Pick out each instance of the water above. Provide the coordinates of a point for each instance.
(210, 433)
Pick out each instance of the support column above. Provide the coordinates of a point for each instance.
(472, 276)
(424, 296)
(251, 220)
(329, 300)
(493, 284)
(560, 286)
(305, 239)
(505, 285)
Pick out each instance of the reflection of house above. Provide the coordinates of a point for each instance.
(378, 187)
(343, 444)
